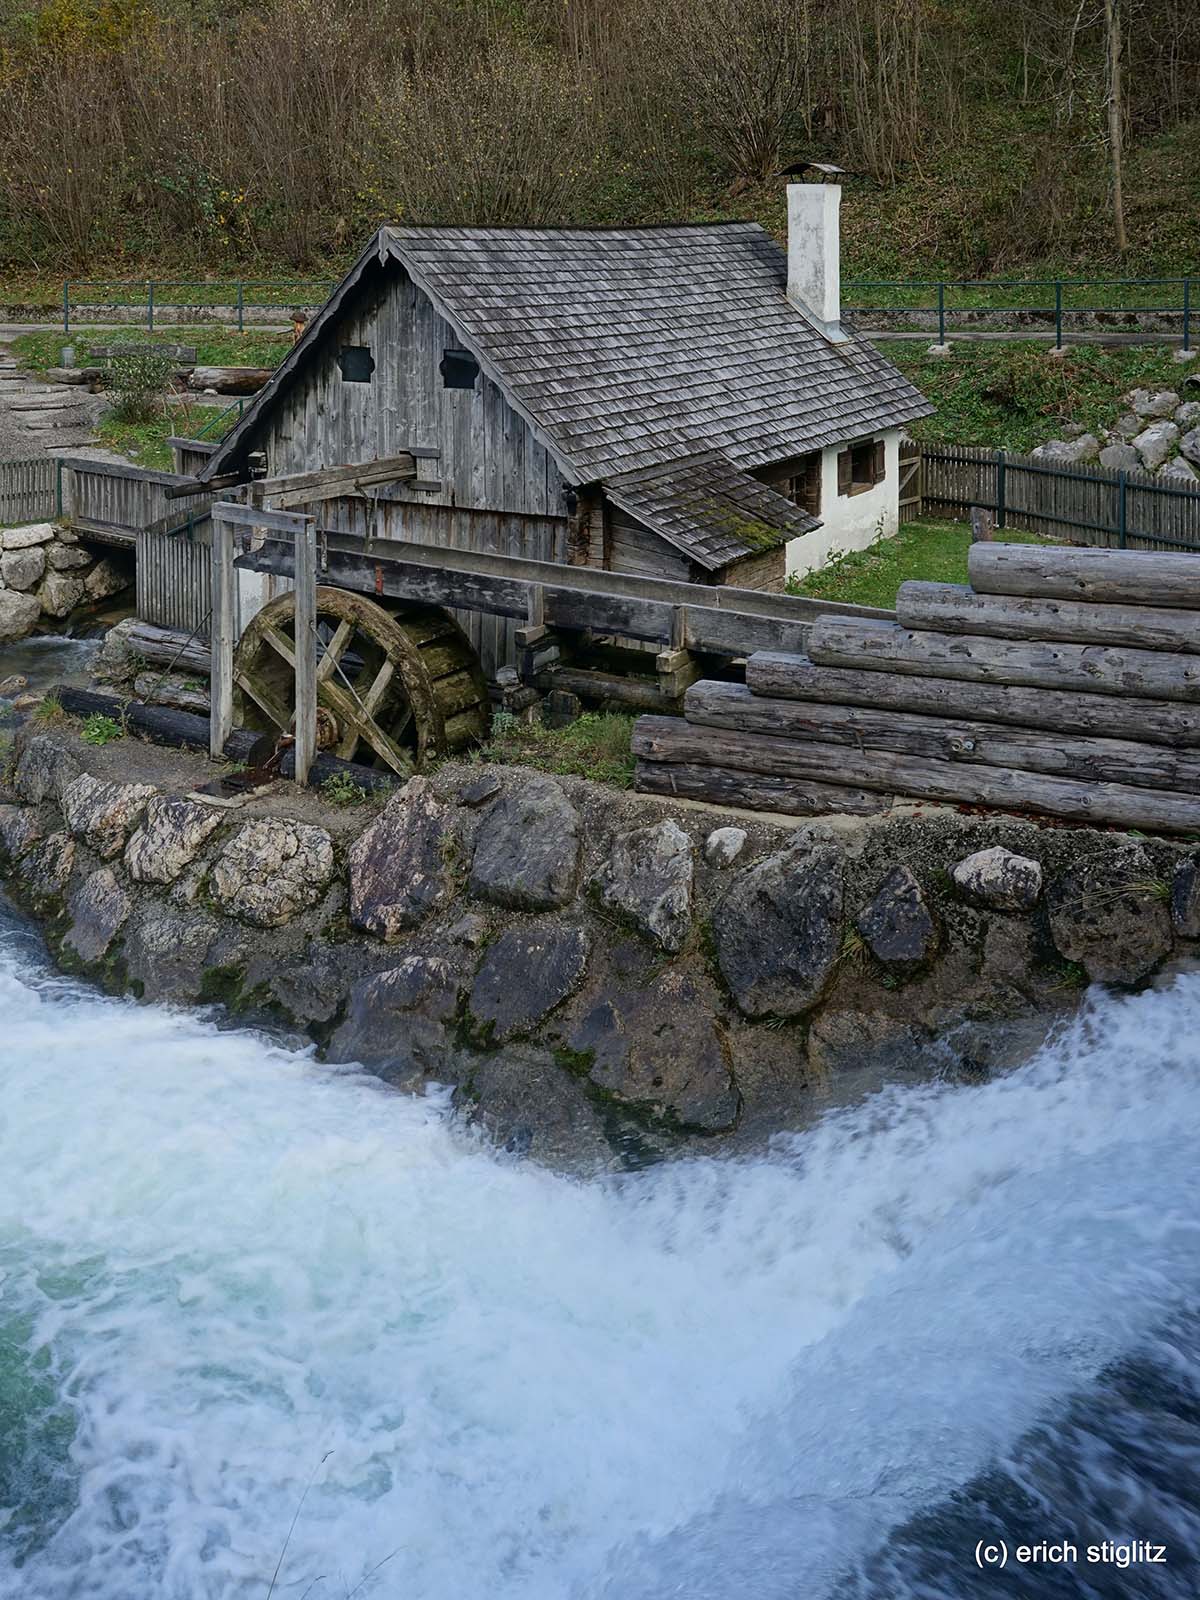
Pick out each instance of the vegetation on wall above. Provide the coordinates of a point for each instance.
(275, 135)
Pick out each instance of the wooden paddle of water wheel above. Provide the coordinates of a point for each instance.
(394, 686)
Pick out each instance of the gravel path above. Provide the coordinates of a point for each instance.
(39, 419)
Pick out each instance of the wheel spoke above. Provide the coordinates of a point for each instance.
(335, 650)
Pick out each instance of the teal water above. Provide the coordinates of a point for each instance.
(238, 1288)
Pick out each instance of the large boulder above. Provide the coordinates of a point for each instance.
(66, 557)
(778, 930)
(400, 1020)
(19, 615)
(1188, 414)
(1106, 914)
(44, 770)
(167, 957)
(102, 813)
(1189, 445)
(1185, 899)
(20, 828)
(46, 868)
(1121, 457)
(60, 594)
(648, 879)
(897, 925)
(1155, 443)
(167, 841)
(398, 869)
(98, 910)
(1152, 402)
(659, 1050)
(527, 848)
(33, 533)
(1085, 448)
(272, 870)
(22, 569)
(526, 973)
(106, 578)
(1178, 469)
(846, 1041)
(998, 879)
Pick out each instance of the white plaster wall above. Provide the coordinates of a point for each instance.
(849, 521)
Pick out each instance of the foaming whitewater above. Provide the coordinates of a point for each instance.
(241, 1293)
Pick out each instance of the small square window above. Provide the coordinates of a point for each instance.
(459, 369)
(356, 363)
(861, 467)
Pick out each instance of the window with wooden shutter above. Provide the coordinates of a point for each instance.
(860, 467)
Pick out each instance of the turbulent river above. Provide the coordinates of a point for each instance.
(249, 1302)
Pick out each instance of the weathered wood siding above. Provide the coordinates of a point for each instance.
(631, 547)
(489, 457)
(174, 586)
(461, 528)
(766, 571)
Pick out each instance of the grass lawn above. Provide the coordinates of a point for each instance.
(215, 346)
(1015, 396)
(145, 443)
(934, 551)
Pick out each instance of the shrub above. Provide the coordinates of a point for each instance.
(138, 376)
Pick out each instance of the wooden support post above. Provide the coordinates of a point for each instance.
(306, 649)
(983, 523)
(223, 632)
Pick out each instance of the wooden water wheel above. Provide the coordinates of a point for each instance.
(393, 686)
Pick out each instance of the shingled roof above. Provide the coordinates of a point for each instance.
(640, 355)
(631, 347)
(708, 508)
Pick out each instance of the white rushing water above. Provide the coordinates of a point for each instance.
(234, 1283)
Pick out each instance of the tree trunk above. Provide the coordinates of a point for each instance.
(1116, 119)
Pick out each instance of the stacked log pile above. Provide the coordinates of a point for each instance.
(1059, 681)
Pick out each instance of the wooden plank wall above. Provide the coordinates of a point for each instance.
(1080, 505)
(121, 501)
(174, 581)
(489, 457)
(459, 528)
(28, 490)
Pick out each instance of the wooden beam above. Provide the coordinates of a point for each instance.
(335, 479)
(756, 791)
(306, 650)
(1159, 722)
(290, 522)
(502, 586)
(222, 632)
(1126, 577)
(956, 608)
(733, 706)
(1090, 669)
(670, 739)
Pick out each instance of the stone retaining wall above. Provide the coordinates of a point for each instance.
(45, 574)
(600, 975)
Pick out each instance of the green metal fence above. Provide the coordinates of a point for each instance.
(1048, 299)
(157, 297)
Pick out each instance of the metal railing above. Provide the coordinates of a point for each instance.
(1046, 298)
(219, 424)
(155, 297)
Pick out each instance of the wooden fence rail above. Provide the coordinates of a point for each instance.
(29, 490)
(1080, 505)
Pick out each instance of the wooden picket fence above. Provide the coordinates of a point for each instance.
(1079, 505)
(29, 490)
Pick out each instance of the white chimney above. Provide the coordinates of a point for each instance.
(814, 283)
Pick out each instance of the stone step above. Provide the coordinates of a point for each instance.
(46, 403)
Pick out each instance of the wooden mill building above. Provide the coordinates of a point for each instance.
(678, 402)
